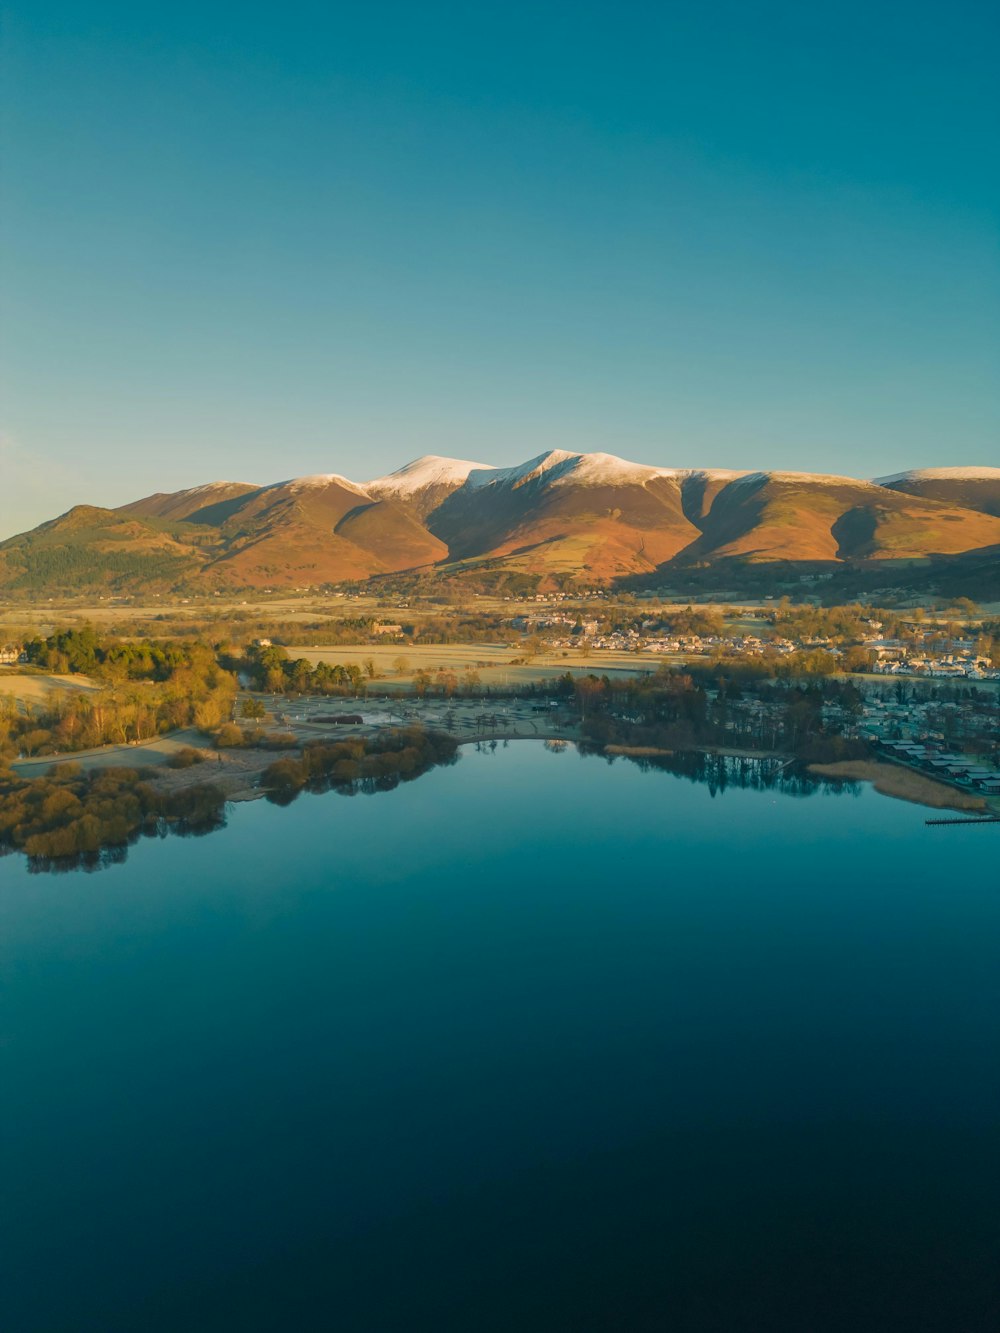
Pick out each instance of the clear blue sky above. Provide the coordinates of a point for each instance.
(249, 241)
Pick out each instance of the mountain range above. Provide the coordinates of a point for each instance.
(591, 517)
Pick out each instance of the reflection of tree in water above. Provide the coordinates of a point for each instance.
(719, 771)
(195, 812)
(357, 766)
(74, 821)
(194, 825)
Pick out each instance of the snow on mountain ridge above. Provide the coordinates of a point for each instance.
(534, 467)
(208, 487)
(942, 474)
(428, 470)
(318, 480)
(822, 478)
(591, 469)
(600, 469)
(562, 467)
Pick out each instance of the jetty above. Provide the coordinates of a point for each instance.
(983, 819)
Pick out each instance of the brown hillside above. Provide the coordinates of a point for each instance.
(590, 515)
(781, 517)
(191, 504)
(547, 519)
(980, 489)
(392, 535)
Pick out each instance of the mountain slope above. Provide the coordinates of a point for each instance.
(199, 504)
(594, 516)
(562, 512)
(425, 483)
(965, 487)
(89, 549)
(803, 516)
(301, 532)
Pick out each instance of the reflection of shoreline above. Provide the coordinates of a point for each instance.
(726, 751)
(693, 761)
(720, 767)
(902, 783)
(717, 767)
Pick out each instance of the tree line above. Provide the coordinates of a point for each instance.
(360, 764)
(713, 705)
(144, 690)
(72, 818)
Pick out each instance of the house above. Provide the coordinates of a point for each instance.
(11, 653)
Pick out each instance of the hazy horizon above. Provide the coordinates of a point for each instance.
(235, 248)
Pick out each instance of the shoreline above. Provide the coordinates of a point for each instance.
(238, 772)
(903, 784)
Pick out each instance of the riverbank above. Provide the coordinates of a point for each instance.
(901, 783)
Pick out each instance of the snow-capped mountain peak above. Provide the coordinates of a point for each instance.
(426, 471)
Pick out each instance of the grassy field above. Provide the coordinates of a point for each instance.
(42, 616)
(35, 689)
(291, 610)
(495, 665)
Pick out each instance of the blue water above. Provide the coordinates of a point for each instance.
(532, 1043)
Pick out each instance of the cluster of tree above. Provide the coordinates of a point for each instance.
(486, 579)
(245, 628)
(460, 627)
(201, 618)
(184, 686)
(233, 737)
(839, 624)
(776, 665)
(113, 659)
(330, 630)
(186, 757)
(73, 818)
(375, 764)
(703, 621)
(988, 642)
(708, 705)
(270, 668)
(446, 683)
(84, 721)
(79, 565)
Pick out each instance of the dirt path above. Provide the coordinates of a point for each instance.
(157, 750)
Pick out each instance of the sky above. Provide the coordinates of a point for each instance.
(250, 241)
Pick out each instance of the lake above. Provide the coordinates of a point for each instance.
(535, 1042)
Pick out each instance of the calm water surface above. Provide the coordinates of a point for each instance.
(532, 1043)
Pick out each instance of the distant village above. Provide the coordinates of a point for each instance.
(887, 656)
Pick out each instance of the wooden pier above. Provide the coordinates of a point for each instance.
(983, 819)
